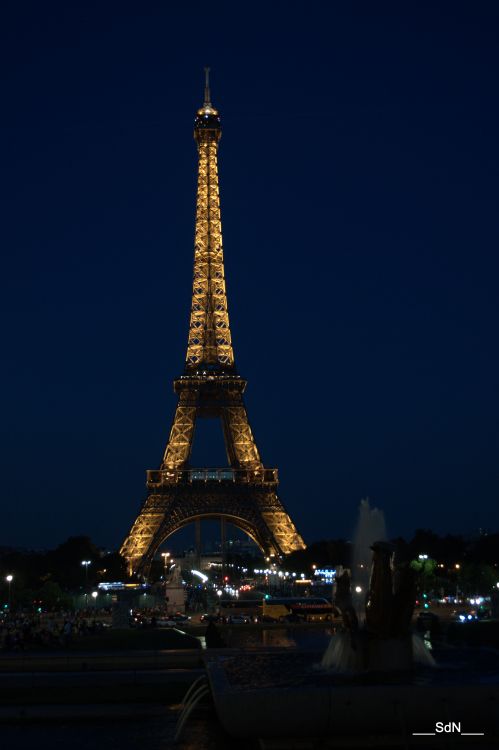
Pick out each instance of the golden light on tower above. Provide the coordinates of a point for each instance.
(244, 493)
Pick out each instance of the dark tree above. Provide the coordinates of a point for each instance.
(326, 552)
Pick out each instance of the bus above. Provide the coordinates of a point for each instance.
(308, 608)
(239, 604)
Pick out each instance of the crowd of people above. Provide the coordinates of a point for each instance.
(21, 631)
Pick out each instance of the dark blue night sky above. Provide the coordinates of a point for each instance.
(359, 179)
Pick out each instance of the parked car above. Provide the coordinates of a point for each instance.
(291, 618)
(466, 616)
(210, 618)
(139, 621)
(171, 621)
(179, 617)
(165, 622)
(238, 619)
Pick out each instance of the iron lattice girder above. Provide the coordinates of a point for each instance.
(254, 509)
(210, 387)
(215, 397)
(209, 330)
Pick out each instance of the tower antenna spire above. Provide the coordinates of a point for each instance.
(207, 96)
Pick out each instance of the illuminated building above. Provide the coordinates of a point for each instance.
(244, 493)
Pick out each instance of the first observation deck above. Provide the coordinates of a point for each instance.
(161, 477)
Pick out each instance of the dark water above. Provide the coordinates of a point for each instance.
(140, 733)
(157, 733)
(132, 730)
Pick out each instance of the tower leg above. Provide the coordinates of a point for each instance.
(179, 445)
(239, 442)
(223, 536)
(254, 509)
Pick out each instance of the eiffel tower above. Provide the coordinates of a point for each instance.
(243, 494)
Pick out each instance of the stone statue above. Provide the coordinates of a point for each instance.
(384, 642)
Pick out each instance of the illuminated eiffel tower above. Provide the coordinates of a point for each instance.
(243, 494)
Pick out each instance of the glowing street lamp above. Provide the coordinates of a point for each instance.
(9, 580)
(200, 575)
(165, 556)
(86, 563)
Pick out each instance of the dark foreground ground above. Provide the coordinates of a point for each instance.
(129, 699)
(145, 733)
(202, 733)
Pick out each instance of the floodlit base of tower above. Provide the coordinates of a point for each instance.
(255, 509)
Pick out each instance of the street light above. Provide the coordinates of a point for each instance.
(9, 580)
(165, 556)
(199, 575)
(86, 563)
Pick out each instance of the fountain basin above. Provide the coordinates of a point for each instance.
(372, 654)
(277, 696)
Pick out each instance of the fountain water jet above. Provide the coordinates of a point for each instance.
(371, 527)
(378, 615)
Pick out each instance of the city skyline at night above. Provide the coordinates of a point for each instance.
(359, 192)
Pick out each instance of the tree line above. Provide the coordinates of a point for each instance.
(48, 578)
